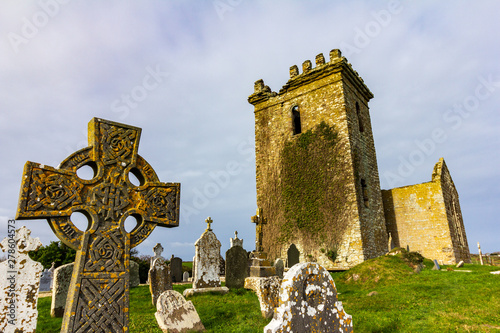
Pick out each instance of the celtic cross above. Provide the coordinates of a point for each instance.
(98, 299)
(259, 221)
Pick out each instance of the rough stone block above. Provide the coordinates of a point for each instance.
(267, 290)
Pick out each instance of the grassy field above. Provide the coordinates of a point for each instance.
(430, 301)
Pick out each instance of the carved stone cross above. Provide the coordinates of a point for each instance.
(98, 299)
(209, 222)
(259, 220)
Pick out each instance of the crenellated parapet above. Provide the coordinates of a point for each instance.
(336, 64)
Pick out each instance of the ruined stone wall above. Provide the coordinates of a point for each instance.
(332, 157)
(422, 217)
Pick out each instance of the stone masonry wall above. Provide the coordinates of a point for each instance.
(328, 93)
(418, 216)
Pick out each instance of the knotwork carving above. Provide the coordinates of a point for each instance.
(160, 202)
(51, 191)
(117, 144)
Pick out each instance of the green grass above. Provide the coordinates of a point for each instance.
(431, 301)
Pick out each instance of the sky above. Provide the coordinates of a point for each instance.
(183, 70)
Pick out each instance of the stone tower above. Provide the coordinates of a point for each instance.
(316, 167)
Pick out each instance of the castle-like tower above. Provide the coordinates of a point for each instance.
(317, 175)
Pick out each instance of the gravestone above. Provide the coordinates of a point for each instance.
(236, 267)
(293, 255)
(267, 290)
(176, 315)
(160, 279)
(480, 254)
(134, 274)
(157, 250)
(207, 264)
(62, 279)
(280, 267)
(19, 282)
(308, 303)
(46, 280)
(436, 266)
(222, 266)
(99, 297)
(176, 269)
(460, 264)
(185, 277)
(236, 241)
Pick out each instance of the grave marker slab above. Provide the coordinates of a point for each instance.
(19, 283)
(134, 274)
(160, 279)
(236, 267)
(176, 315)
(279, 265)
(99, 297)
(185, 277)
(176, 269)
(62, 280)
(308, 303)
(436, 266)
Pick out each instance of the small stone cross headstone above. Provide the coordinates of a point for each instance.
(62, 279)
(176, 315)
(236, 267)
(99, 298)
(19, 282)
(46, 280)
(236, 241)
(176, 269)
(185, 277)
(160, 279)
(308, 303)
(436, 266)
(157, 250)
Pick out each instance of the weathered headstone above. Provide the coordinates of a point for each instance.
(99, 298)
(236, 267)
(207, 264)
(222, 266)
(176, 269)
(236, 241)
(134, 274)
(157, 250)
(293, 256)
(267, 290)
(308, 303)
(160, 279)
(460, 264)
(19, 282)
(62, 279)
(176, 315)
(185, 277)
(45, 280)
(279, 265)
(436, 266)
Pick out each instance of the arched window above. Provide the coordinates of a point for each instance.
(360, 121)
(296, 120)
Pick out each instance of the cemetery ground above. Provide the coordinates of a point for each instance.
(449, 300)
